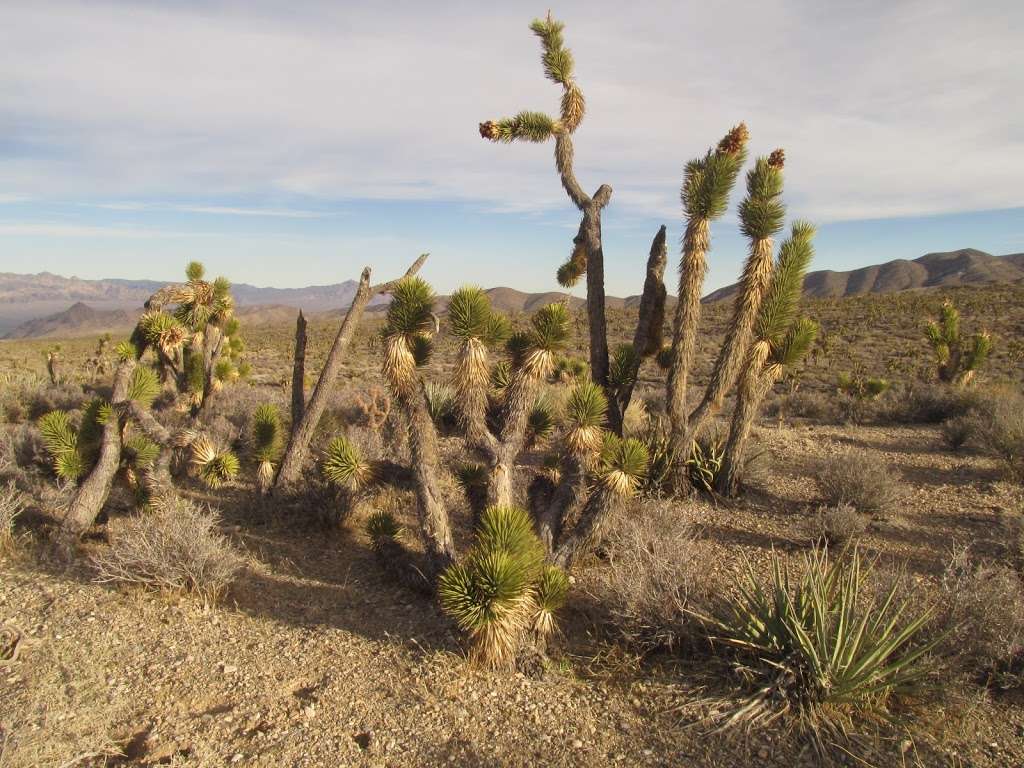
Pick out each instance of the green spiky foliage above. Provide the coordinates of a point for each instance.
(382, 528)
(551, 592)
(957, 359)
(345, 466)
(440, 404)
(408, 332)
(144, 386)
(501, 590)
(73, 452)
(266, 442)
(861, 387)
(500, 378)
(541, 422)
(623, 464)
(660, 481)
(568, 369)
(586, 410)
(705, 462)
(126, 350)
(622, 367)
(818, 649)
(549, 331)
(214, 465)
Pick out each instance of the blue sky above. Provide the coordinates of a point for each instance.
(289, 144)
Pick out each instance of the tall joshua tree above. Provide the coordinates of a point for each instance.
(761, 217)
(587, 254)
(707, 182)
(780, 341)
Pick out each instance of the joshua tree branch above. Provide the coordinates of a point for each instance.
(299, 372)
(300, 438)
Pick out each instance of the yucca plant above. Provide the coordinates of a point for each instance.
(214, 464)
(73, 451)
(707, 182)
(780, 341)
(541, 421)
(705, 462)
(861, 387)
(957, 359)
(345, 466)
(821, 651)
(265, 443)
(502, 590)
(440, 404)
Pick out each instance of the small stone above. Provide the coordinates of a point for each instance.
(577, 744)
(237, 757)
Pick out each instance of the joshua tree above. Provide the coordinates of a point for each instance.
(53, 365)
(193, 332)
(781, 340)
(707, 182)
(587, 255)
(265, 443)
(957, 359)
(761, 218)
(302, 432)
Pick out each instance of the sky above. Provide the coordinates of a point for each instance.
(292, 143)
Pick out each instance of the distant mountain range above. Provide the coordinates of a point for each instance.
(47, 305)
(933, 270)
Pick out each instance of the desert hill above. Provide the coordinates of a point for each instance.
(966, 266)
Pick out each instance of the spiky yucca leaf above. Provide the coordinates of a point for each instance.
(762, 212)
(194, 271)
(61, 441)
(977, 354)
(144, 386)
(550, 327)
(567, 369)
(440, 403)
(501, 377)
(510, 529)
(550, 595)
(140, 452)
(586, 411)
(541, 421)
(623, 464)
(215, 466)
(707, 181)
(705, 462)
(411, 310)
(224, 371)
(266, 441)
(796, 343)
(518, 347)
(497, 331)
(469, 313)
(780, 303)
(125, 351)
(163, 330)
(344, 465)
(623, 366)
(381, 526)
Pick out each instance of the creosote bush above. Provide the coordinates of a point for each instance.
(839, 525)
(997, 428)
(176, 547)
(852, 478)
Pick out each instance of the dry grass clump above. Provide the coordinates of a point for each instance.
(177, 547)
(839, 525)
(852, 478)
(983, 619)
(814, 406)
(656, 571)
(956, 432)
(932, 403)
(997, 428)
(12, 504)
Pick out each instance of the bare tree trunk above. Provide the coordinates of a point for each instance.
(213, 343)
(649, 324)
(426, 464)
(299, 372)
(53, 367)
(92, 494)
(754, 385)
(596, 511)
(568, 496)
(300, 438)
(158, 477)
(519, 401)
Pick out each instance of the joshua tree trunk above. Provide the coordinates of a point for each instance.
(53, 367)
(647, 337)
(749, 394)
(696, 242)
(158, 477)
(301, 436)
(299, 372)
(569, 495)
(754, 285)
(426, 465)
(92, 494)
(596, 511)
(519, 400)
(213, 343)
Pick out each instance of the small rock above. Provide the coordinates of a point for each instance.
(577, 744)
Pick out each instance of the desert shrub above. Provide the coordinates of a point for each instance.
(705, 461)
(819, 648)
(956, 432)
(655, 573)
(814, 406)
(931, 403)
(981, 625)
(660, 480)
(57, 397)
(12, 504)
(839, 525)
(29, 449)
(997, 427)
(853, 478)
(175, 547)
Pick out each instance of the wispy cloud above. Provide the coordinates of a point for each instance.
(55, 229)
(110, 100)
(216, 210)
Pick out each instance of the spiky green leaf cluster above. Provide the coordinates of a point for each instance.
(440, 403)
(140, 452)
(61, 441)
(126, 351)
(820, 647)
(525, 126)
(501, 376)
(623, 464)
(266, 433)
(708, 180)
(568, 369)
(762, 211)
(344, 465)
(471, 317)
(705, 463)
(556, 58)
(144, 386)
(381, 527)
(541, 420)
(586, 406)
(221, 469)
(623, 366)
(411, 310)
(796, 343)
(194, 271)
(549, 328)
(778, 310)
